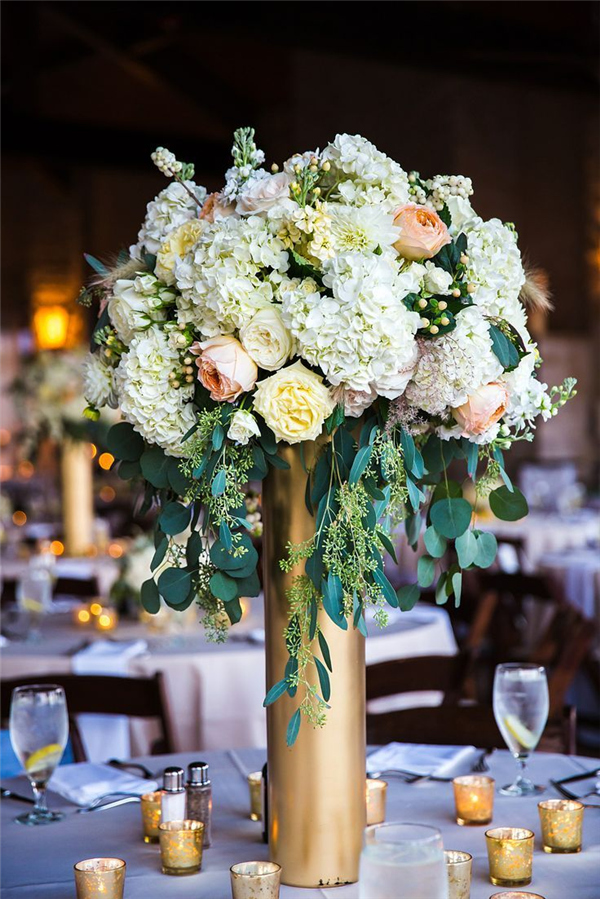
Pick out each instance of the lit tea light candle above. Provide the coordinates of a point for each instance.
(95, 608)
(510, 855)
(181, 846)
(458, 868)
(100, 877)
(562, 821)
(82, 616)
(376, 799)
(151, 806)
(474, 799)
(107, 620)
(255, 787)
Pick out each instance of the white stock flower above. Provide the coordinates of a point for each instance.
(453, 366)
(266, 339)
(243, 427)
(171, 208)
(363, 335)
(372, 178)
(528, 397)
(98, 381)
(159, 412)
(135, 304)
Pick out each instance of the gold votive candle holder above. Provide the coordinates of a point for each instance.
(510, 854)
(151, 804)
(255, 880)
(516, 894)
(255, 787)
(474, 799)
(458, 867)
(181, 846)
(95, 877)
(376, 799)
(562, 823)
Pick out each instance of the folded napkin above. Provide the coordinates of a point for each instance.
(108, 656)
(441, 761)
(84, 782)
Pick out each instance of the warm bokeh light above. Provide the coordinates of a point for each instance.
(51, 327)
(92, 551)
(5, 436)
(107, 620)
(83, 616)
(19, 518)
(57, 548)
(93, 450)
(25, 469)
(105, 460)
(107, 493)
(96, 608)
(6, 472)
(115, 550)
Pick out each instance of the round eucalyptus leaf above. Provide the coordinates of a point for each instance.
(124, 443)
(508, 505)
(451, 516)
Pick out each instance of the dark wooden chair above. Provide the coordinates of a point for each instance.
(135, 697)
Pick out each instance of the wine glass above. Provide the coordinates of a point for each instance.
(402, 861)
(39, 730)
(521, 711)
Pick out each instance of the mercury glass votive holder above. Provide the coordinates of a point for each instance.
(458, 867)
(255, 880)
(151, 803)
(510, 854)
(255, 787)
(562, 823)
(376, 799)
(100, 878)
(181, 846)
(516, 894)
(474, 799)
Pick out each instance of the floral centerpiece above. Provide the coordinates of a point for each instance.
(341, 300)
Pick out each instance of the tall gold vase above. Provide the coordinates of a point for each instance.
(317, 787)
(77, 496)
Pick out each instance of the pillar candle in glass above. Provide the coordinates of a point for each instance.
(181, 846)
(150, 804)
(562, 821)
(376, 797)
(510, 854)
(255, 880)
(458, 868)
(474, 799)
(100, 877)
(255, 787)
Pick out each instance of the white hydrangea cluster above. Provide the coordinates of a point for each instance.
(159, 412)
(136, 304)
(496, 269)
(230, 273)
(372, 178)
(528, 396)
(454, 366)
(99, 387)
(363, 335)
(171, 208)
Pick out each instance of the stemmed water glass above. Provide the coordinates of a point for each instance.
(521, 711)
(402, 861)
(39, 730)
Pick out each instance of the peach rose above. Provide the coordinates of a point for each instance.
(214, 209)
(482, 409)
(422, 232)
(224, 367)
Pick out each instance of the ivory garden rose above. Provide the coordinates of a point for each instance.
(483, 409)
(224, 368)
(263, 193)
(266, 339)
(294, 402)
(422, 232)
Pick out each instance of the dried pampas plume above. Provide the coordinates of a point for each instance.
(119, 270)
(535, 293)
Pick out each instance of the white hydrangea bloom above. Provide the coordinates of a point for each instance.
(170, 209)
(136, 303)
(363, 335)
(495, 268)
(161, 413)
(372, 178)
(453, 366)
(528, 397)
(98, 381)
(229, 274)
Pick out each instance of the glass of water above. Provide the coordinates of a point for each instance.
(402, 861)
(521, 711)
(39, 730)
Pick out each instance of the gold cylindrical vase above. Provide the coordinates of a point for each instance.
(317, 802)
(77, 497)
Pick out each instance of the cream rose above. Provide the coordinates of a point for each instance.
(354, 401)
(215, 208)
(175, 247)
(436, 280)
(242, 427)
(224, 367)
(482, 409)
(266, 339)
(262, 193)
(135, 304)
(294, 402)
(422, 232)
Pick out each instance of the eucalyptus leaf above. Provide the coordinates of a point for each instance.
(150, 596)
(223, 587)
(155, 466)
(466, 548)
(386, 588)
(457, 587)
(174, 584)
(178, 481)
(508, 505)
(487, 547)
(333, 600)
(174, 518)
(275, 692)
(193, 549)
(324, 647)
(425, 571)
(412, 526)
(408, 597)
(233, 609)
(361, 461)
(218, 436)
(441, 596)
(291, 670)
(323, 679)
(159, 554)
(129, 470)
(293, 728)
(389, 546)
(225, 536)
(248, 585)
(124, 443)
(451, 517)
(435, 544)
(219, 483)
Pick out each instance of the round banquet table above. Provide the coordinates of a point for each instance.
(215, 692)
(37, 862)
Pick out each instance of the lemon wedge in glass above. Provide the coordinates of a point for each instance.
(46, 757)
(522, 734)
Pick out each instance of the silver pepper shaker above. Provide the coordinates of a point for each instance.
(199, 797)
(173, 795)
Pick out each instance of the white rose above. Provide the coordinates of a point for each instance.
(135, 304)
(98, 382)
(354, 401)
(262, 193)
(294, 402)
(243, 426)
(461, 212)
(436, 280)
(266, 339)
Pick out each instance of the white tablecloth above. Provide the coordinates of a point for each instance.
(37, 862)
(579, 571)
(215, 693)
